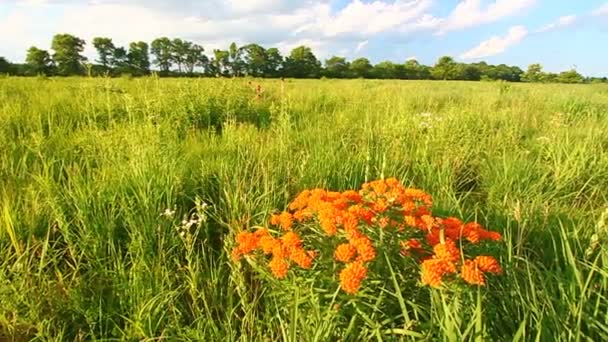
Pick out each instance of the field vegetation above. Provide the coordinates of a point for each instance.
(121, 201)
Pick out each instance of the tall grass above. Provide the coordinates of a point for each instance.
(88, 167)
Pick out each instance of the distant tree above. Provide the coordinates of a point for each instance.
(467, 72)
(67, 56)
(139, 58)
(221, 62)
(194, 57)
(413, 70)
(385, 70)
(274, 66)
(445, 69)
(235, 60)
(5, 66)
(336, 67)
(534, 73)
(360, 67)
(120, 61)
(162, 49)
(38, 61)
(570, 76)
(179, 51)
(255, 60)
(105, 49)
(302, 63)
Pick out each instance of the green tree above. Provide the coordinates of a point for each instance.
(413, 70)
(162, 50)
(385, 70)
(534, 73)
(39, 61)
(336, 67)
(194, 57)
(360, 67)
(467, 72)
(5, 66)
(179, 51)
(67, 56)
(120, 61)
(302, 63)
(274, 65)
(105, 49)
(139, 58)
(255, 60)
(445, 69)
(570, 76)
(235, 60)
(221, 62)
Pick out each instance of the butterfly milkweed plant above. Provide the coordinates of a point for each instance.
(369, 253)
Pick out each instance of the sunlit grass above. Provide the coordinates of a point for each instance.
(87, 167)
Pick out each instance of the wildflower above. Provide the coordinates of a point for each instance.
(279, 267)
(286, 220)
(471, 273)
(247, 242)
(488, 264)
(268, 244)
(301, 258)
(447, 251)
(275, 220)
(291, 240)
(345, 252)
(433, 271)
(365, 249)
(352, 276)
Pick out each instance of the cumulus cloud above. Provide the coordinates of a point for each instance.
(560, 23)
(497, 45)
(470, 13)
(217, 23)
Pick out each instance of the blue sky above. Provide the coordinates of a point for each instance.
(560, 34)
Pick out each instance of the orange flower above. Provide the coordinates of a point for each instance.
(364, 248)
(352, 276)
(279, 267)
(291, 240)
(433, 271)
(383, 222)
(247, 242)
(352, 196)
(301, 258)
(286, 220)
(488, 264)
(380, 206)
(345, 252)
(448, 251)
(472, 274)
(275, 220)
(268, 244)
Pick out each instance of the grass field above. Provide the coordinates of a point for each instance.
(88, 167)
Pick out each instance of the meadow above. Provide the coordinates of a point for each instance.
(120, 200)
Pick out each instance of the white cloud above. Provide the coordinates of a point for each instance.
(471, 13)
(562, 22)
(361, 45)
(497, 45)
(602, 10)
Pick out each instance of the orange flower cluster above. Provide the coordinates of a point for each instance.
(357, 218)
(282, 250)
(445, 261)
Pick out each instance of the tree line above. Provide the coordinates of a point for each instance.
(178, 57)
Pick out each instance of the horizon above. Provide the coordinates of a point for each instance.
(516, 33)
